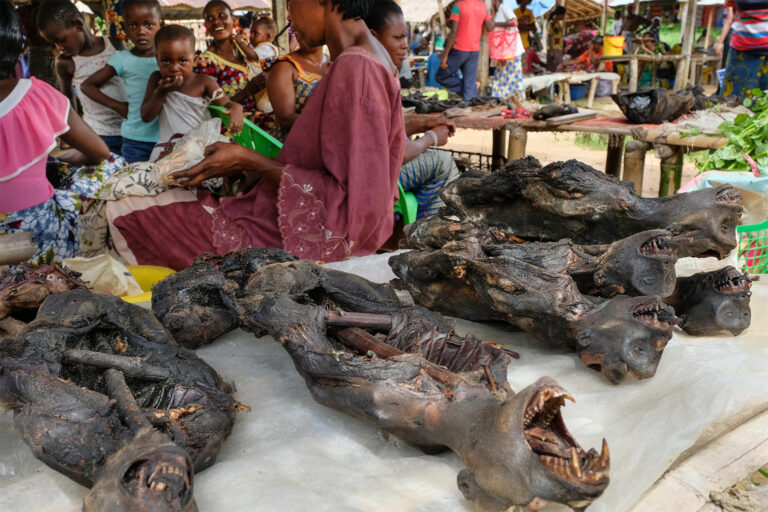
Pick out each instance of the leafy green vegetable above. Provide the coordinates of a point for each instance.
(745, 134)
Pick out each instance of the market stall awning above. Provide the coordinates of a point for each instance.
(234, 4)
(621, 3)
(576, 10)
(420, 11)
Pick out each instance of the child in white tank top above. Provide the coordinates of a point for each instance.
(81, 55)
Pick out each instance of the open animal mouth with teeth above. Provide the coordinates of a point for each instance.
(732, 282)
(658, 246)
(547, 436)
(166, 482)
(656, 314)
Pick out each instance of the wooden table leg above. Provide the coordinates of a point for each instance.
(654, 74)
(566, 88)
(633, 75)
(615, 85)
(613, 157)
(592, 91)
(634, 163)
(518, 137)
(422, 78)
(671, 164)
(497, 153)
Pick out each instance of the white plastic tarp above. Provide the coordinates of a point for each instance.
(292, 454)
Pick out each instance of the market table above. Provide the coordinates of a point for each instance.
(669, 141)
(564, 79)
(290, 453)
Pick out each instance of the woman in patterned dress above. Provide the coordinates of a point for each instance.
(507, 80)
(226, 60)
(290, 80)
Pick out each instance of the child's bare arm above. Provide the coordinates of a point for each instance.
(65, 71)
(154, 97)
(248, 51)
(234, 109)
(91, 89)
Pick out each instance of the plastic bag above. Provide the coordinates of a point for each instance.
(654, 106)
(188, 150)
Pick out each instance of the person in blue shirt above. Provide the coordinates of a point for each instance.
(433, 64)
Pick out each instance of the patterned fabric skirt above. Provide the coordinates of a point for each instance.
(425, 175)
(744, 72)
(54, 223)
(507, 80)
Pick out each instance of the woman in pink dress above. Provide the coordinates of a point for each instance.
(32, 115)
(327, 196)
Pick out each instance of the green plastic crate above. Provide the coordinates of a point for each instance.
(251, 136)
(753, 247)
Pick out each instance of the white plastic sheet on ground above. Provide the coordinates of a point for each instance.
(292, 454)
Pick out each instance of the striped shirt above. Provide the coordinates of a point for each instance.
(750, 25)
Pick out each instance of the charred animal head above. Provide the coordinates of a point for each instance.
(626, 335)
(24, 288)
(708, 218)
(713, 302)
(149, 474)
(643, 264)
(553, 466)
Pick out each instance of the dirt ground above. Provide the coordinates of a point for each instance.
(550, 147)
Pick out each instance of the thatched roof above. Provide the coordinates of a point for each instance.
(576, 10)
(420, 11)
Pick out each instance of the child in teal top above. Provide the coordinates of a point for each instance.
(142, 20)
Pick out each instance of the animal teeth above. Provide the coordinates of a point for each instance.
(575, 466)
(158, 486)
(605, 455)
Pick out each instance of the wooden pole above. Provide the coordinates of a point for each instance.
(688, 33)
(518, 137)
(441, 14)
(634, 163)
(483, 60)
(710, 23)
(280, 15)
(614, 154)
(604, 17)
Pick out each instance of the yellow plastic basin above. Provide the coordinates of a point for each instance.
(146, 276)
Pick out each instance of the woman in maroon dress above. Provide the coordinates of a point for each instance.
(329, 193)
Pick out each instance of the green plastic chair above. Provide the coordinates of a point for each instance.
(263, 143)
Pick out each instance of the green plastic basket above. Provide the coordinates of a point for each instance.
(251, 136)
(753, 247)
(407, 205)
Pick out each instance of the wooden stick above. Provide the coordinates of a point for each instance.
(131, 366)
(369, 320)
(365, 342)
(126, 403)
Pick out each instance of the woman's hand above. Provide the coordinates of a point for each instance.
(431, 124)
(220, 160)
(442, 132)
